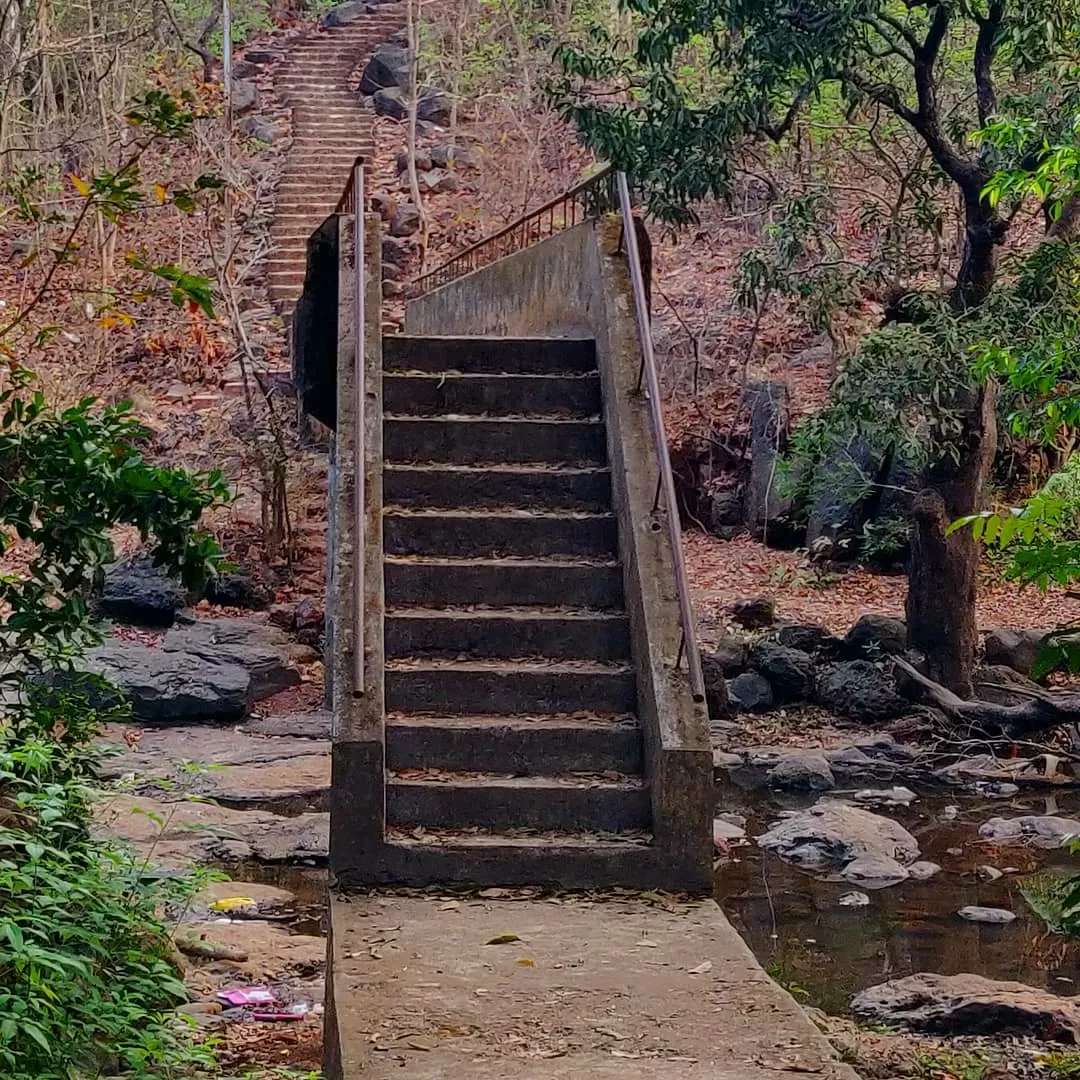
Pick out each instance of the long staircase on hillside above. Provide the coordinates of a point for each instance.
(516, 692)
(510, 691)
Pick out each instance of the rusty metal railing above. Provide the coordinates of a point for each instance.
(347, 203)
(590, 199)
(666, 483)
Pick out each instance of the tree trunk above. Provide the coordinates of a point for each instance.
(943, 570)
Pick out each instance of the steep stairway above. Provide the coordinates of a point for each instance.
(511, 733)
(331, 127)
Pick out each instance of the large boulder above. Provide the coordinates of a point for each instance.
(245, 96)
(172, 687)
(262, 650)
(727, 654)
(724, 513)
(969, 1005)
(1016, 649)
(789, 671)
(874, 871)
(831, 835)
(212, 670)
(390, 101)
(405, 220)
(876, 635)
(140, 593)
(768, 507)
(845, 483)
(434, 107)
(809, 638)
(858, 690)
(343, 14)
(388, 67)
(1047, 832)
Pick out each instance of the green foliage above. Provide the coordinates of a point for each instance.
(953, 1065)
(884, 539)
(1060, 1064)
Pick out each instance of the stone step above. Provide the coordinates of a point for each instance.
(481, 355)
(517, 688)
(507, 633)
(571, 860)
(508, 395)
(494, 533)
(533, 745)
(536, 487)
(594, 584)
(571, 803)
(470, 440)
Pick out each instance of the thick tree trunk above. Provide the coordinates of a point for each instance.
(943, 570)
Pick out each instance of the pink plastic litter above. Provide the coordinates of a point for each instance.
(248, 995)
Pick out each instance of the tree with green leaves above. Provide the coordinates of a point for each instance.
(945, 69)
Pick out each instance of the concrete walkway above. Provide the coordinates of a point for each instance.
(581, 988)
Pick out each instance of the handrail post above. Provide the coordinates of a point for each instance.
(666, 479)
(359, 329)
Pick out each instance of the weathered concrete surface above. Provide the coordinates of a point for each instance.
(591, 989)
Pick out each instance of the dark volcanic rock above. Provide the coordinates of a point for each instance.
(1016, 649)
(769, 510)
(877, 635)
(387, 68)
(789, 671)
(240, 590)
(749, 692)
(140, 593)
(802, 772)
(390, 101)
(754, 613)
(859, 690)
(809, 638)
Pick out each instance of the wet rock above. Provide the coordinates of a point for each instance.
(874, 871)
(854, 899)
(1015, 649)
(1048, 832)
(808, 637)
(988, 873)
(388, 68)
(390, 101)
(749, 692)
(343, 14)
(754, 613)
(724, 514)
(769, 510)
(969, 1005)
(833, 834)
(238, 589)
(802, 771)
(859, 690)
(923, 870)
(140, 593)
(883, 747)
(245, 96)
(894, 796)
(405, 220)
(995, 789)
(789, 671)
(877, 635)
(994, 916)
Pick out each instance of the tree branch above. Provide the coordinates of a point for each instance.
(986, 45)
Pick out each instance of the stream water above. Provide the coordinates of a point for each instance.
(827, 952)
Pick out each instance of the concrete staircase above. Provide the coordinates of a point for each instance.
(510, 692)
(331, 126)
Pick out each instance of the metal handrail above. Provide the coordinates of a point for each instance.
(352, 201)
(590, 199)
(667, 480)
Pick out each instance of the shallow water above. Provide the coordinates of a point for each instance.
(801, 934)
